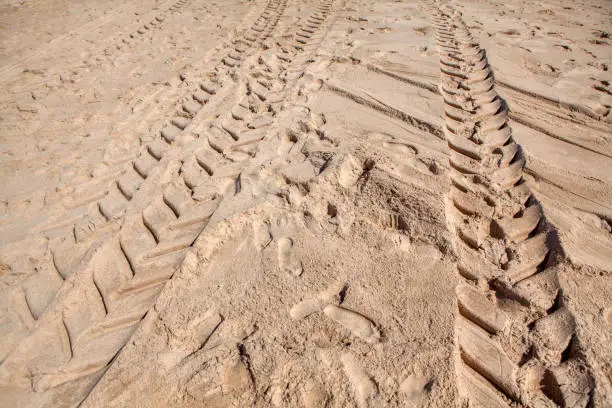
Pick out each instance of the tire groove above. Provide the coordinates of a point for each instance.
(150, 262)
(107, 205)
(499, 361)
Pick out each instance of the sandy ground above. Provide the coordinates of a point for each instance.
(293, 203)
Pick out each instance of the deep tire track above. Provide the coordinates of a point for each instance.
(99, 205)
(516, 340)
(514, 116)
(92, 318)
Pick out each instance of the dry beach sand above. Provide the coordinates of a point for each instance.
(301, 203)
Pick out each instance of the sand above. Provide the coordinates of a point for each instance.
(305, 204)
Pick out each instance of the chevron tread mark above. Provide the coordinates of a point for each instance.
(515, 337)
(115, 280)
(101, 203)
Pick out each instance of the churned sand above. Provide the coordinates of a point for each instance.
(305, 203)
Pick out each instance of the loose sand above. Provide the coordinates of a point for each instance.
(305, 204)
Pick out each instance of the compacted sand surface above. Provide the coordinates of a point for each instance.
(300, 203)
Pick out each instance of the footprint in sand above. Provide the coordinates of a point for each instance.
(261, 235)
(315, 395)
(308, 306)
(286, 261)
(357, 324)
(351, 170)
(414, 389)
(410, 156)
(401, 148)
(364, 387)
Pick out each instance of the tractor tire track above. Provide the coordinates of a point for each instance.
(95, 208)
(155, 21)
(516, 340)
(73, 342)
(558, 110)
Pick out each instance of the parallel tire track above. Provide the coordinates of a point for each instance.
(125, 39)
(73, 343)
(516, 339)
(156, 19)
(100, 203)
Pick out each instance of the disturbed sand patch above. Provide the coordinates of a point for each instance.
(307, 204)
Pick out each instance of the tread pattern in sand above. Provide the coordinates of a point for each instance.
(100, 53)
(97, 206)
(516, 339)
(82, 326)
